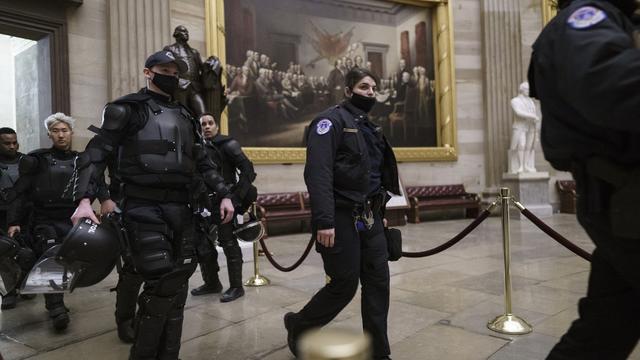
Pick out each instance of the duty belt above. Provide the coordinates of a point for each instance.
(364, 214)
(156, 194)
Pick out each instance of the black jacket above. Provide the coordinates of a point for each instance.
(337, 167)
(227, 154)
(585, 69)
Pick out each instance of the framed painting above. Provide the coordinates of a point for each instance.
(285, 62)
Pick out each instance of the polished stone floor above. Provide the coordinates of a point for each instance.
(439, 309)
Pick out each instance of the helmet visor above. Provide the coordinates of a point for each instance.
(48, 276)
(250, 232)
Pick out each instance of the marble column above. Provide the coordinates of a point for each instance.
(504, 71)
(137, 28)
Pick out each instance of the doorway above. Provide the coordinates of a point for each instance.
(26, 88)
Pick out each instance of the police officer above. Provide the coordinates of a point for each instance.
(9, 162)
(585, 69)
(44, 174)
(226, 152)
(156, 143)
(350, 167)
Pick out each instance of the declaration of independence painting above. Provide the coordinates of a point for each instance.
(286, 61)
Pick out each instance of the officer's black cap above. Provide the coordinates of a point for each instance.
(163, 57)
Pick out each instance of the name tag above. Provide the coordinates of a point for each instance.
(350, 130)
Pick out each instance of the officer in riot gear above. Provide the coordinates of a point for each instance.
(44, 174)
(158, 150)
(237, 171)
(9, 161)
(585, 71)
(349, 170)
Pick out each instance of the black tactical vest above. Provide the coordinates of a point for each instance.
(9, 174)
(160, 153)
(51, 180)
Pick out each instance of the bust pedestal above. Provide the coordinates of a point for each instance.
(531, 190)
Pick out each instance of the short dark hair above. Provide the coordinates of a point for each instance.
(7, 130)
(356, 74)
(210, 114)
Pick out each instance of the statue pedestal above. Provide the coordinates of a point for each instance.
(531, 190)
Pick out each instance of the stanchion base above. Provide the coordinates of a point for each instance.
(257, 280)
(510, 324)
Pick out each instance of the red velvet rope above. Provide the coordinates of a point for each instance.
(283, 268)
(483, 216)
(555, 236)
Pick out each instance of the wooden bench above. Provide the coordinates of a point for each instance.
(438, 197)
(567, 192)
(282, 207)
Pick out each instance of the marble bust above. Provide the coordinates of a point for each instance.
(524, 132)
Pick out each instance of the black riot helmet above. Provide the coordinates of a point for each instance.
(9, 269)
(90, 252)
(250, 230)
(8, 247)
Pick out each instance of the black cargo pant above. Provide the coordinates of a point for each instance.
(48, 229)
(357, 256)
(208, 256)
(161, 237)
(608, 326)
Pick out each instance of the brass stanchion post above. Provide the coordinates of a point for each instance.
(507, 323)
(256, 279)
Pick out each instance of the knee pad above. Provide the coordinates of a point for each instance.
(152, 254)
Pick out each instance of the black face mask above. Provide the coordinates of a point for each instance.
(363, 103)
(166, 83)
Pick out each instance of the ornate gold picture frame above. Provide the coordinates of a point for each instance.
(549, 10)
(443, 86)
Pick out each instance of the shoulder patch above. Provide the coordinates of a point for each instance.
(585, 17)
(323, 126)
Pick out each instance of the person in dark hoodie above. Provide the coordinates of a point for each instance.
(585, 70)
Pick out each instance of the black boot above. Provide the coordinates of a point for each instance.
(234, 267)
(212, 284)
(129, 283)
(57, 311)
(289, 324)
(232, 293)
(9, 301)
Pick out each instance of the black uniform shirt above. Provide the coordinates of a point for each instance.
(375, 148)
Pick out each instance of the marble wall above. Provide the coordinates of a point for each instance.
(88, 66)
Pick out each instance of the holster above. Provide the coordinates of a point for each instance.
(394, 243)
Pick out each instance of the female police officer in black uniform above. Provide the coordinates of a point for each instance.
(350, 167)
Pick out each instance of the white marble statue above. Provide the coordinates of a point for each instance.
(524, 133)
